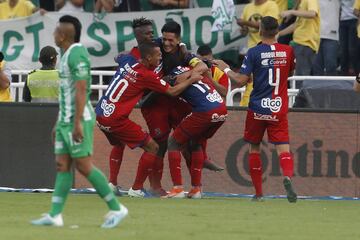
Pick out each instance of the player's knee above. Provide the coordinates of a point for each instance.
(162, 149)
(62, 166)
(173, 144)
(151, 147)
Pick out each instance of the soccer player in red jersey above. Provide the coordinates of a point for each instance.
(271, 64)
(143, 30)
(162, 113)
(130, 81)
(207, 116)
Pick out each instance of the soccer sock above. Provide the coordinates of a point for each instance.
(145, 166)
(287, 164)
(98, 181)
(203, 146)
(175, 167)
(187, 156)
(197, 161)
(63, 184)
(255, 169)
(157, 172)
(115, 160)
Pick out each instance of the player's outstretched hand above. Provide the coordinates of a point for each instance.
(220, 64)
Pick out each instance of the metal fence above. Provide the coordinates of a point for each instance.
(16, 88)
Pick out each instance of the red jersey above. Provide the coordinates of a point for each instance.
(127, 87)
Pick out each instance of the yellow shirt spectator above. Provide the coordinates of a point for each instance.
(282, 4)
(307, 30)
(254, 12)
(22, 8)
(357, 9)
(5, 92)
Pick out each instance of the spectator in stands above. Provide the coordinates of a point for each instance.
(220, 79)
(347, 38)
(18, 8)
(249, 23)
(69, 5)
(117, 5)
(285, 22)
(306, 34)
(5, 80)
(357, 14)
(42, 84)
(326, 58)
(168, 4)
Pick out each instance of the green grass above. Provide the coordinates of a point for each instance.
(211, 218)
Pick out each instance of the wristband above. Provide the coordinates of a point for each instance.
(182, 44)
(226, 70)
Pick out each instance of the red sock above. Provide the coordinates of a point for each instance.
(146, 164)
(287, 164)
(175, 167)
(256, 172)
(187, 155)
(203, 146)
(115, 160)
(197, 161)
(156, 173)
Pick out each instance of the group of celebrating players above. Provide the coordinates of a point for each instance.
(162, 70)
(176, 92)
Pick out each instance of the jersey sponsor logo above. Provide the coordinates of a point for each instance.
(273, 104)
(130, 70)
(218, 118)
(278, 54)
(273, 62)
(162, 82)
(214, 97)
(108, 108)
(259, 116)
(102, 127)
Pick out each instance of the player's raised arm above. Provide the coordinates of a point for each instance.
(183, 84)
(241, 79)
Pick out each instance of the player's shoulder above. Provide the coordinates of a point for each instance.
(33, 71)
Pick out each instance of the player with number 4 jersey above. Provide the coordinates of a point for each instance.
(271, 64)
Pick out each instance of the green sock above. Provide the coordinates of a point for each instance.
(99, 182)
(63, 185)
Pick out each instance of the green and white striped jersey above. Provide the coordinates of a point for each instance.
(74, 66)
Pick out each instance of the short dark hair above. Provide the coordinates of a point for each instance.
(204, 50)
(269, 26)
(139, 22)
(75, 22)
(47, 55)
(147, 48)
(172, 27)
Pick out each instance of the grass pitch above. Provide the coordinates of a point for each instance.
(210, 218)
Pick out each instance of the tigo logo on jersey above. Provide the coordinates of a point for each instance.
(218, 118)
(214, 97)
(273, 104)
(108, 108)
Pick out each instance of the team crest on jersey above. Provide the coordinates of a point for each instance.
(108, 108)
(214, 97)
(273, 104)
